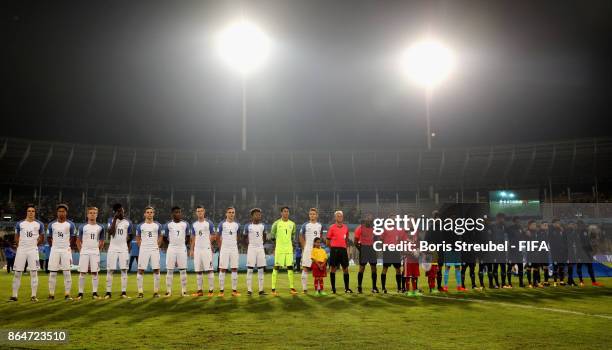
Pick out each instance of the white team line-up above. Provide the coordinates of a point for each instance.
(150, 234)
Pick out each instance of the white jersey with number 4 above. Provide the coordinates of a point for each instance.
(229, 231)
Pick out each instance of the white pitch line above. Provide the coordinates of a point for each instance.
(608, 317)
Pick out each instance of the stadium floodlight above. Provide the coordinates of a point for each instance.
(244, 47)
(428, 63)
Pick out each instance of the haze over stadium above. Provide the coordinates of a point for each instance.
(218, 137)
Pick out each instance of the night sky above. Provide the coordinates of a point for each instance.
(145, 73)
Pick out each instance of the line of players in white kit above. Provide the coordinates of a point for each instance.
(90, 238)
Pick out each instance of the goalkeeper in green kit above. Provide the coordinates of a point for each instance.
(283, 233)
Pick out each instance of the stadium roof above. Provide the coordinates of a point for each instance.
(30, 162)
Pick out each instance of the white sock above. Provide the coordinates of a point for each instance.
(169, 280)
(52, 281)
(67, 282)
(304, 280)
(260, 278)
(34, 282)
(94, 283)
(156, 278)
(123, 281)
(139, 282)
(211, 281)
(200, 279)
(234, 280)
(16, 283)
(249, 279)
(81, 283)
(222, 280)
(109, 281)
(183, 281)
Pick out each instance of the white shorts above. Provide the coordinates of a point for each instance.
(60, 259)
(28, 254)
(176, 258)
(113, 257)
(202, 260)
(256, 257)
(89, 261)
(145, 256)
(228, 259)
(306, 258)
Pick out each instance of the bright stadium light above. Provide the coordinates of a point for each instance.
(428, 63)
(244, 47)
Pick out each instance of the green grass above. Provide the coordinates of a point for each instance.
(340, 321)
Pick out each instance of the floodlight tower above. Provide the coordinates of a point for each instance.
(428, 63)
(244, 47)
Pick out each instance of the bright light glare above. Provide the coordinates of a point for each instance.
(243, 46)
(428, 63)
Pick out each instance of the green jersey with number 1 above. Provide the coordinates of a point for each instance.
(283, 232)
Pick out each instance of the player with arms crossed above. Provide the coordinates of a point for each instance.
(228, 252)
(283, 232)
(120, 231)
(29, 234)
(201, 251)
(255, 232)
(308, 232)
(177, 232)
(89, 243)
(149, 236)
(60, 234)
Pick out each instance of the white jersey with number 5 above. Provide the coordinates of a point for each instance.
(148, 233)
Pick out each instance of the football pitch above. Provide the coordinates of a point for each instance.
(561, 317)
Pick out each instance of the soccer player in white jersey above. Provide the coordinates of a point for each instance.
(149, 236)
(203, 233)
(228, 253)
(89, 242)
(120, 231)
(256, 256)
(29, 234)
(308, 232)
(177, 232)
(60, 235)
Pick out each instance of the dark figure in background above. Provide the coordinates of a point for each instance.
(558, 248)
